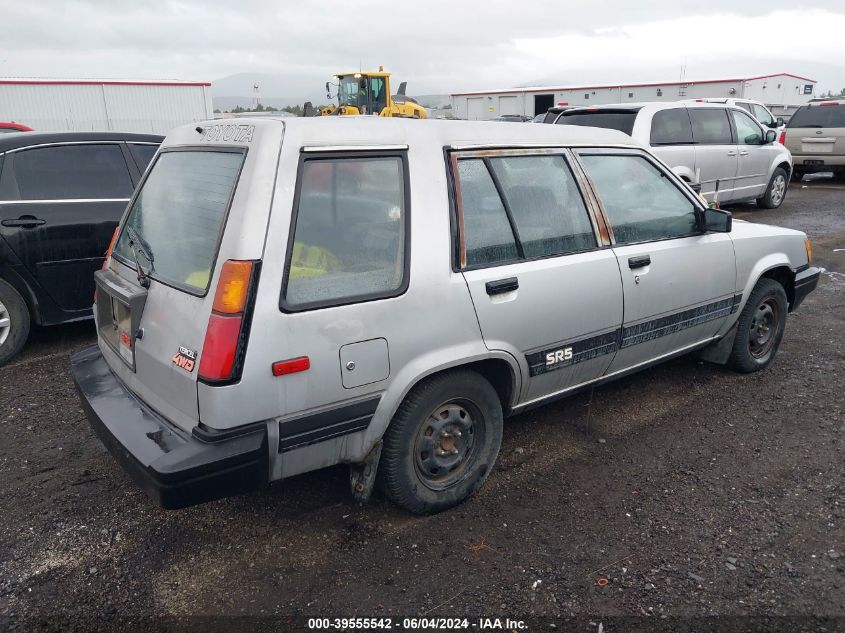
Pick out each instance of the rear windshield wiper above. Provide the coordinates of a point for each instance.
(138, 244)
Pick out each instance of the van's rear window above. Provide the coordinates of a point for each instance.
(622, 121)
(178, 216)
(819, 116)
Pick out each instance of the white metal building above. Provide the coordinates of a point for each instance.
(780, 91)
(103, 104)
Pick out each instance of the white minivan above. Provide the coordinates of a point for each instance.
(719, 149)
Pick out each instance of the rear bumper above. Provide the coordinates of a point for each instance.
(175, 468)
(805, 282)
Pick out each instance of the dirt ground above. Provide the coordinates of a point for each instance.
(694, 491)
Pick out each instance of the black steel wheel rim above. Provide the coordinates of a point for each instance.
(448, 442)
(764, 329)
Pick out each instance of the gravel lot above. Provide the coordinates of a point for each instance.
(692, 490)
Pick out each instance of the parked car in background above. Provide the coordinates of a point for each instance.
(816, 137)
(61, 196)
(254, 322)
(708, 145)
(551, 115)
(513, 118)
(12, 127)
(758, 110)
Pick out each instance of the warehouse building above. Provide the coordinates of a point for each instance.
(103, 104)
(783, 92)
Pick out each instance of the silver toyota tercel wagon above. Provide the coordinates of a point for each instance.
(285, 295)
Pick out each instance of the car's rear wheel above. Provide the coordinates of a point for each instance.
(14, 322)
(776, 191)
(442, 442)
(760, 327)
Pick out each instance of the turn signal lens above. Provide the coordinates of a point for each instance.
(782, 139)
(232, 287)
(809, 248)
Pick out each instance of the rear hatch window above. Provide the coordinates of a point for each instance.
(622, 120)
(818, 116)
(179, 216)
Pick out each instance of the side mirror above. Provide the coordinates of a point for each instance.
(771, 135)
(779, 121)
(717, 221)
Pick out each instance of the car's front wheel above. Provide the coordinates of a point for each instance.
(760, 327)
(776, 191)
(14, 322)
(442, 442)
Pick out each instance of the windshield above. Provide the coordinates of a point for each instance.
(352, 91)
(818, 116)
(178, 216)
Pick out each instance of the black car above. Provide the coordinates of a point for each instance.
(61, 196)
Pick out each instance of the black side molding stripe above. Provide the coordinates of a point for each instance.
(583, 350)
(326, 425)
(609, 342)
(672, 323)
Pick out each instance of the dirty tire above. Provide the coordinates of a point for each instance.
(776, 191)
(457, 414)
(760, 328)
(14, 322)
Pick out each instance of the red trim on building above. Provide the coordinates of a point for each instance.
(620, 86)
(94, 82)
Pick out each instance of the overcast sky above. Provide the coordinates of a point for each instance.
(438, 46)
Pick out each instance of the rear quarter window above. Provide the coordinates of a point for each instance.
(349, 239)
(671, 127)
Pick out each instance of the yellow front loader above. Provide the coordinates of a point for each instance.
(369, 93)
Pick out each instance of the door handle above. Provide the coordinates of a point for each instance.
(743, 153)
(732, 153)
(501, 286)
(639, 261)
(25, 221)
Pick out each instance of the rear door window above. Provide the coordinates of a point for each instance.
(545, 203)
(622, 120)
(818, 116)
(350, 232)
(520, 207)
(487, 232)
(72, 172)
(671, 127)
(641, 202)
(710, 126)
(179, 214)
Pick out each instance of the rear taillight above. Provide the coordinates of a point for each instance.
(111, 247)
(228, 325)
(108, 254)
(782, 139)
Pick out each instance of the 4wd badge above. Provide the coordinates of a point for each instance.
(185, 358)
